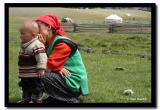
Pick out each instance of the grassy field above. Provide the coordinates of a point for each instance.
(106, 84)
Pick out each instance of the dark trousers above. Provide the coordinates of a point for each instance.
(32, 88)
(57, 89)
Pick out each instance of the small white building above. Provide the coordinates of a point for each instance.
(113, 19)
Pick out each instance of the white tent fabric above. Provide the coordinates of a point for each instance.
(113, 19)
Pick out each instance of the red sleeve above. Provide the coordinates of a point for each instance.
(58, 57)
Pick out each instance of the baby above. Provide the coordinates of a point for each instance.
(32, 63)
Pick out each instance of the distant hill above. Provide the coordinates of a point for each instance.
(94, 15)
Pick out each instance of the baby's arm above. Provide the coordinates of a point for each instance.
(40, 73)
(41, 59)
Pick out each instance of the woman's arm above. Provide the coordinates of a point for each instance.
(58, 57)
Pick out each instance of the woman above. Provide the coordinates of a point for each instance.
(66, 79)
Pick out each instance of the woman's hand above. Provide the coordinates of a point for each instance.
(64, 72)
(41, 38)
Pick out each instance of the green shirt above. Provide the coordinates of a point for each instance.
(74, 64)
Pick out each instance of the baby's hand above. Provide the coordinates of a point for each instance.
(64, 72)
(40, 73)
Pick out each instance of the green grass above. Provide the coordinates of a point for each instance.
(105, 83)
(139, 43)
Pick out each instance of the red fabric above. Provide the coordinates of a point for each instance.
(53, 21)
(58, 57)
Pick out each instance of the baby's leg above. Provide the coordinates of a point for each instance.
(37, 90)
(26, 93)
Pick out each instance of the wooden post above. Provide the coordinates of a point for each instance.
(75, 27)
(110, 28)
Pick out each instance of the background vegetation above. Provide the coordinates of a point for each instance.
(132, 52)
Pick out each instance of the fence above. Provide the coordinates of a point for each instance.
(121, 28)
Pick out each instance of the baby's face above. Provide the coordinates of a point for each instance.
(25, 35)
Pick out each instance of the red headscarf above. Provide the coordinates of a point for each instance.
(53, 21)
